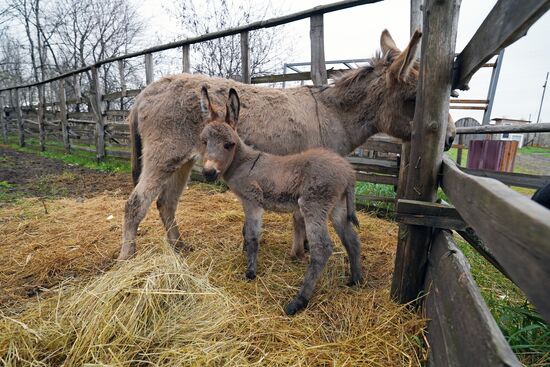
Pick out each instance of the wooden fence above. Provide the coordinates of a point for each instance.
(506, 228)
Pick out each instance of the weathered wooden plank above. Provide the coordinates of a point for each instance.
(117, 113)
(149, 76)
(63, 114)
(374, 165)
(469, 101)
(508, 21)
(17, 103)
(511, 179)
(374, 178)
(117, 95)
(41, 117)
(515, 229)
(3, 121)
(185, 59)
(382, 146)
(382, 199)
(476, 108)
(428, 135)
(293, 77)
(461, 330)
(496, 129)
(245, 57)
(318, 67)
(429, 214)
(99, 108)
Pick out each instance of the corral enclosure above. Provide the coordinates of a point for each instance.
(507, 229)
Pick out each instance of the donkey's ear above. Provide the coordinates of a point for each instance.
(388, 46)
(206, 106)
(232, 108)
(403, 64)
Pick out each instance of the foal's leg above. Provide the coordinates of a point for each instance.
(167, 203)
(349, 239)
(299, 235)
(252, 228)
(315, 218)
(138, 203)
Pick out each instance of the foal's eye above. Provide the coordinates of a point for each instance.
(228, 145)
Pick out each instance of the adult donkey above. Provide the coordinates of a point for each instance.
(165, 123)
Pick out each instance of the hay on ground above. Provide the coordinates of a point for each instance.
(65, 301)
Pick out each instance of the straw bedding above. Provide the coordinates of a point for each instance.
(65, 301)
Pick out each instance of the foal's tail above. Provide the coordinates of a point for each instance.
(350, 204)
(135, 142)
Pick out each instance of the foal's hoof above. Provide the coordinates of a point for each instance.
(180, 246)
(250, 275)
(295, 305)
(353, 282)
(297, 256)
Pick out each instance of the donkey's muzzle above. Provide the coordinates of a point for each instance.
(449, 142)
(210, 175)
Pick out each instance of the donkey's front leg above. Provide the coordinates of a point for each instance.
(252, 228)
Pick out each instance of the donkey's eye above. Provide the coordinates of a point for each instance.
(228, 145)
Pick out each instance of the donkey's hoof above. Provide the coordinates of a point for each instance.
(297, 256)
(353, 282)
(126, 253)
(296, 305)
(250, 275)
(180, 246)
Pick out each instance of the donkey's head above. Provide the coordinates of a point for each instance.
(219, 136)
(389, 85)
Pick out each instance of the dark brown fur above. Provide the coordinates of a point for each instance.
(315, 185)
(166, 122)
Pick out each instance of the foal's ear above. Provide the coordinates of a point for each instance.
(232, 108)
(403, 64)
(388, 46)
(206, 107)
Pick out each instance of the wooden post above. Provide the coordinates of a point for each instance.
(149, 69)
(63, 114)
(245, 57)
(16, 103)
(430, 120)
(318, 67)
(3, 121)
(97, 103)
(185, 59)
(459, 150)
(41, 116)
(122, 77)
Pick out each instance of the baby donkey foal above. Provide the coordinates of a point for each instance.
(314, 185)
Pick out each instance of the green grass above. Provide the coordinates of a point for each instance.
(522, 326)
(535, 150)
(372, 189)
(55, 150)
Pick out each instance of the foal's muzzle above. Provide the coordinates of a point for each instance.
(210, 175)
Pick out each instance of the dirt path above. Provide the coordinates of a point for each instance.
(26, 174)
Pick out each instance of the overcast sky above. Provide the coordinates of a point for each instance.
(354, 33)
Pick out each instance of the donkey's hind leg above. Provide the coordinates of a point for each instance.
(347, 235)
(299, 236)
(315, 217)
(147, 189)
(167, 203)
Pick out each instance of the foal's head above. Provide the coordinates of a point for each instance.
(219, 136)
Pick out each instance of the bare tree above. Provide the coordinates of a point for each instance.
(221, 57)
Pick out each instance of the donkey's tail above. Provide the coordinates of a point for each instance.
(135, 142)
(350, 204)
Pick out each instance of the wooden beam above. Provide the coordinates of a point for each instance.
(515, 229)
(484, 101)
(429, 214)
(21, 130)
(63, 114)
(461, 329)
(245, 57)
(497, 129)
(476, 108)
(116, 95)
(382, 199)
(98, 105)
(511, 179)
(41, 117)
(374, 178)
(384, 146)
(318, 67)
(382, 166)
(508, 21)
(428, 135)
(122, 76)
(149, 76)
(293, 77)
(185, 59)
(3, 121)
